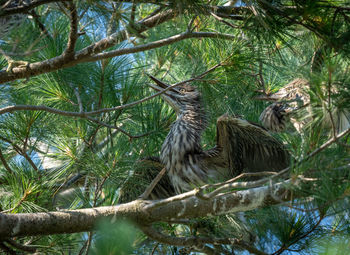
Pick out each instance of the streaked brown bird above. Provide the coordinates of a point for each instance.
(292, 106)
(287, 100)
(240, 145)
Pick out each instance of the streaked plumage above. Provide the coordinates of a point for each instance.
(274, 117)
(289, 103)
(241, 145)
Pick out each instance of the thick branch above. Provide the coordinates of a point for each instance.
(157, 44)
(24, 8)
(62, 61)
(27, 224)
(23, 224)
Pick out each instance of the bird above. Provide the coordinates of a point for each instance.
(287, 100)
(241, 146)
(292, 105)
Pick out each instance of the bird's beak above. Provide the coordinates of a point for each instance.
(169, 96)
(267, 97)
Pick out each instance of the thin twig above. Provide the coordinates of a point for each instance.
(76, 92)
(40, 25)
(223, 21)
(88, 244)
(12, 108)
(196, 240)
(326, 144)
(24, 197)
(154, 248)
(98, 189)
(82, 249)
(261, 81)
(168, 200)
(242, 175)
(236, 185)
(284, 246)
(4, 162)
(27, 248)
(132, 14)
(334, 129)
(22, 153)
(155, 181)
(119, 129)
(189, 25)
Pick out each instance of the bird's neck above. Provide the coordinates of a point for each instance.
(185, 134)
(181, 148)
(193, 117)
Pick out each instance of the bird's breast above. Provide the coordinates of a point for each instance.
(180, 155)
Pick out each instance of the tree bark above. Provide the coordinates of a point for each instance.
(142, 212)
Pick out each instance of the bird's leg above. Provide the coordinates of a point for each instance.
(13, 63)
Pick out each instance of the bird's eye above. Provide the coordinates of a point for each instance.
(182, 91)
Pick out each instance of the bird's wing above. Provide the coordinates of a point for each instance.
(244, 146)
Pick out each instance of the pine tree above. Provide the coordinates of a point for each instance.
(80, 129)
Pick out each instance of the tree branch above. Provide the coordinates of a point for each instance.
(73, 33)
(22, 153)
(73, 221)
(27, 248)
(140, 48)
(150, 188)
(197, 241)
(62, 61)
(27, 7)
(157, 44)
(13, 108)
(285, 247)
(4, 162)
(119, 129)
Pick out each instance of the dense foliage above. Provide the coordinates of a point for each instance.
(53, 160)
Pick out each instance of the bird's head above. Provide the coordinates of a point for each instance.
(179, 98)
